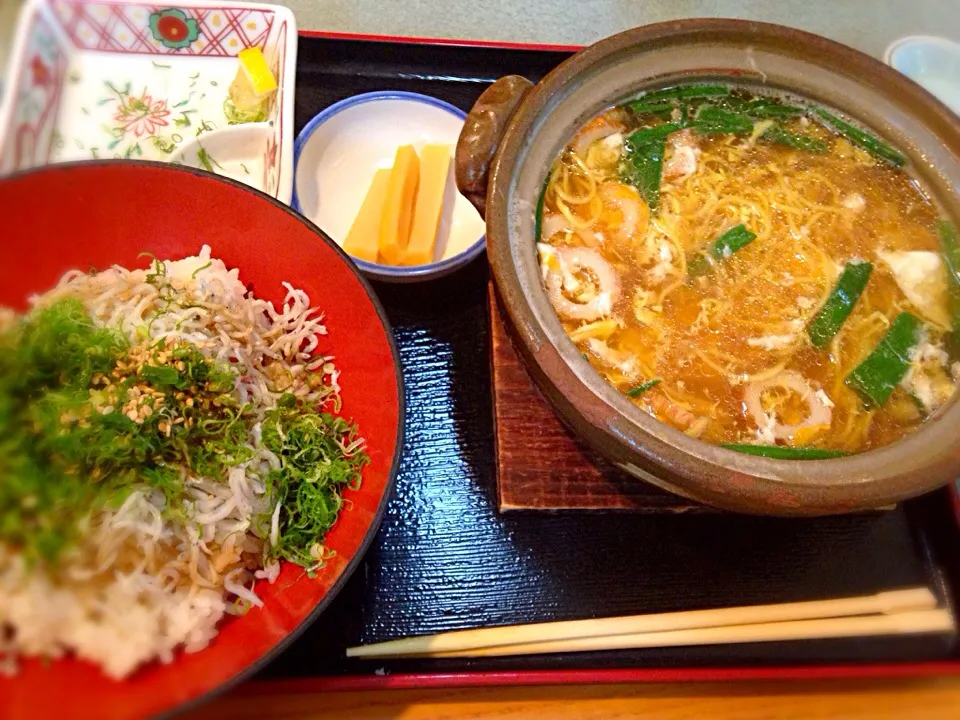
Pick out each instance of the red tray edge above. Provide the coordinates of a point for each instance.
(559, 677)
(492, 44)
(596, 677)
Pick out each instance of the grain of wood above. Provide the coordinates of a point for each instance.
(875, 699)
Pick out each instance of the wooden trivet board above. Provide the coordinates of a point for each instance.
(540, 464)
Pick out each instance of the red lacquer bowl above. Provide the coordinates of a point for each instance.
(97, 214)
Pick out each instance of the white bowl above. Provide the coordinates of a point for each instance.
(932, 62)
(339, 150)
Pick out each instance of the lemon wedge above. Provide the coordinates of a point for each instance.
(254, 67)
(251, 89)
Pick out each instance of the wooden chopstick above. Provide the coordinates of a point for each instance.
(902, 623)
(894, 601)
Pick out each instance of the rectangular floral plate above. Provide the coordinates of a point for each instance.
(133, 79)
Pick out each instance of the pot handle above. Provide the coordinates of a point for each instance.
(482, 131)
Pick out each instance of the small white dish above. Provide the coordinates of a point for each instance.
(236, 151)
(116, 79)
(932, 62)
(339, 151)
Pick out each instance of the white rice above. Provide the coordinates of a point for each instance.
(139, 586)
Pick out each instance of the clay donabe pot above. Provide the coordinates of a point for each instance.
(511, 138)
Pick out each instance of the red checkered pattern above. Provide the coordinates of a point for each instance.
(124, 27)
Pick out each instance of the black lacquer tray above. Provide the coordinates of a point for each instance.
(445, 559)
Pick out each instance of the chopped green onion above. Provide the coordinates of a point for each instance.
(875, 378)
(950, 247)
(734, 239)
(207, 160)
(162, 145)
(538, 218)
(643, 168)
(840, 303)
(868, 142)
(685, 91)
(642, 388)
(163, 375)
(711, 120)
(765, 108)
(314, 468)
(779, 136)
(648, 135)
(200, 269)
(204, 160)
(785, 452)
(650, 108)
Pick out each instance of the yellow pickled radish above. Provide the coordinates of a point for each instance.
(398, 206)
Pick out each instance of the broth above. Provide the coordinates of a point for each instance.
(751, 272)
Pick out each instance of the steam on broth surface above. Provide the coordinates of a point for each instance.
(752, 273)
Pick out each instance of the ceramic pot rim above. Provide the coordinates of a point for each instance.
(634, 440)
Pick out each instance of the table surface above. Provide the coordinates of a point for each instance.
(929, 698)
(865, 25)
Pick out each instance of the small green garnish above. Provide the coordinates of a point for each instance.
(163, 376)
(86, 416)
(685, 92)
(734, 239)
(319, 455)
(642, 388)
(205, 126)
(873, 145)
(164, 146)
(876, 377)
(846, 292)
(785, 452)
(236, 116)
(778, 136)
(184, 119)
(642, 165)
(206, 160)
(75, 437)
